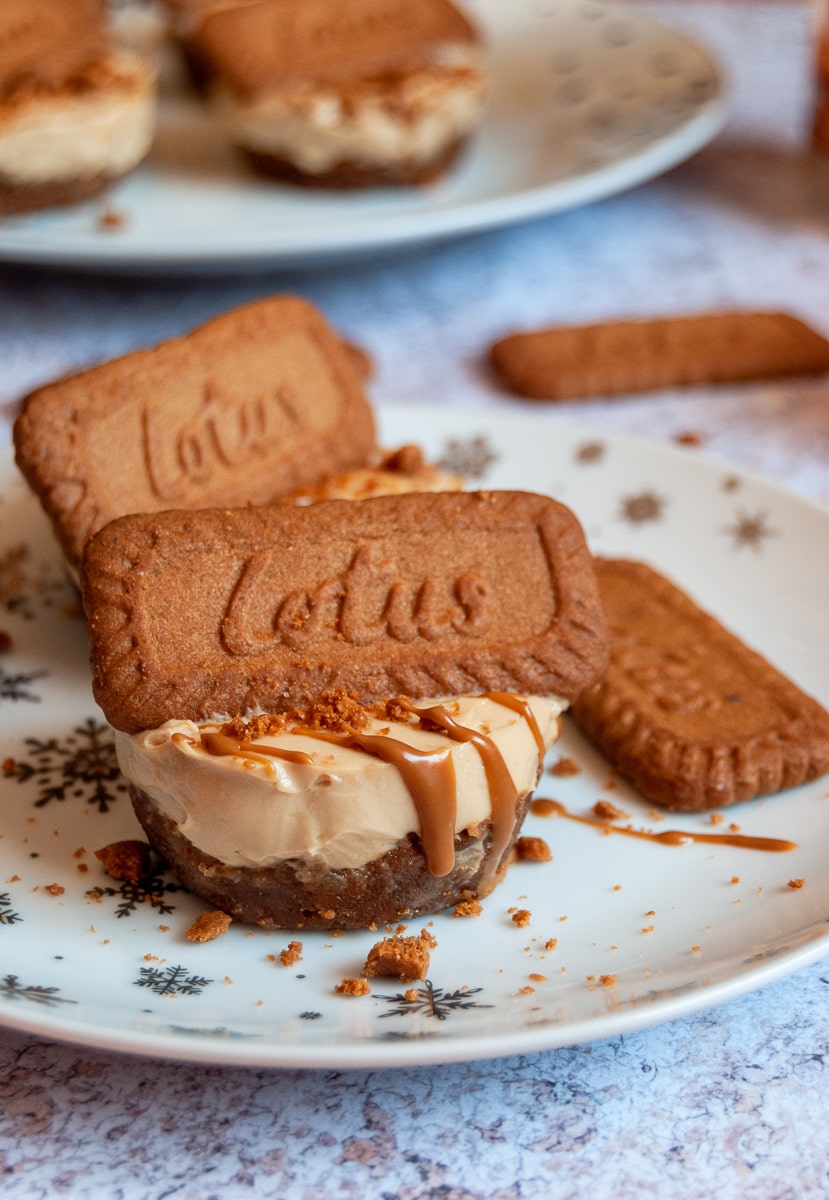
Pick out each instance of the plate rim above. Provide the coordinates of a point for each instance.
(393, 231)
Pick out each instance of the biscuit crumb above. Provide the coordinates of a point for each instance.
(521, 917)
(688, 438)
(563, 768)
(405, 958)
(536, 978)
(716, 818)
(207, 926)
(735, 878)
(796, 883)
(110, 220)
(525, 991)
(607, 980)
(290, 955)
(411, 995)
(128, 860)
(468, 908)
(54, 889)
(353, 987)
(533, 849)
(606, 811)
(551, 943)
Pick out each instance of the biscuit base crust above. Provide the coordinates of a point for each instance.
(352, 176)
(55, 193)
(297, 894)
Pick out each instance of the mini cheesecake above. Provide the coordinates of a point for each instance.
(358, 94)
(333, 715)
(342, 815)
(76, 113)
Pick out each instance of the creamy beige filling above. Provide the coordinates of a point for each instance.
(341, 809)
(410, 121)
(78, 135)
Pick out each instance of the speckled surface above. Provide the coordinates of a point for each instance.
(727, 1102)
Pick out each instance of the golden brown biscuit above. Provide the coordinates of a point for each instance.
(686, 711)
(257, 402)
(617, 357)
(46, 41)
(229, 610)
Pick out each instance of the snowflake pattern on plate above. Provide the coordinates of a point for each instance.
(26, 588)
(8, 916)
(641, 508)
(750, 531)
(431, 1001)
(81, 765)
(16, 686)
(150, 890)
(470, 457)
(171, 981)
(12, 989)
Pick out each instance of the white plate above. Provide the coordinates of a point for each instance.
(71, 967)
(588, 99)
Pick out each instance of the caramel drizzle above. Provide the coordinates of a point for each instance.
(430, 778)
(668, 837)
(429, 775)
(221, 744)
(503, 793)
(521, 705)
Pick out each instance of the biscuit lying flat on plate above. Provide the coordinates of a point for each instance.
(252, 662)
(618, 357)
(686, 711)
(360, 93)
(75, 112)
(256, 403)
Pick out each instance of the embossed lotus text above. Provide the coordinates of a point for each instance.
(670, 678)
(366, 603)
(224, 433)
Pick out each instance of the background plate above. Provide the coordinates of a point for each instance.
(671, 929)
(588, 99)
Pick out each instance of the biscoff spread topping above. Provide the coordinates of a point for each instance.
(339, 783)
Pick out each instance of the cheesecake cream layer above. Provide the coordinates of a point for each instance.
(410, 119)
(341, 800)
(102, 128)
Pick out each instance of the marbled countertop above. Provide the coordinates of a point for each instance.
(727, 1102)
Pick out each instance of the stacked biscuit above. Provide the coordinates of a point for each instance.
(75, 112)
(331, 713)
